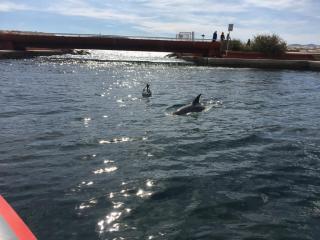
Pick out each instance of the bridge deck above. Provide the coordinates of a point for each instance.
(11, 40)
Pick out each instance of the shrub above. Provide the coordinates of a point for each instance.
(236, 45)
(271, 45)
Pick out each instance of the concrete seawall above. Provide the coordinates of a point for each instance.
(314, 65)
(256, 63)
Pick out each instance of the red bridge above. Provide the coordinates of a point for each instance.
(25, 40)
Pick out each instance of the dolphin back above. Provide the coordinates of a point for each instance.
(195, 106)
(183, 110)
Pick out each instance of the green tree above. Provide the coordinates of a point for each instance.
(271, 45)
(236, 45)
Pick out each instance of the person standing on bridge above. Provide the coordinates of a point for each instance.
(228, 37)
(222, 37)
(214, 36)
(248, 43)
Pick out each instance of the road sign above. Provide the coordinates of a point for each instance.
(230, 28)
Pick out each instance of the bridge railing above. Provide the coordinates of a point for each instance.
(121, 36)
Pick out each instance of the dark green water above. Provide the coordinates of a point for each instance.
(83, 156)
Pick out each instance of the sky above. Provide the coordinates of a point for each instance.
(295, 21)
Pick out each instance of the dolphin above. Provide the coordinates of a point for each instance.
(195, 106)
(146, 92)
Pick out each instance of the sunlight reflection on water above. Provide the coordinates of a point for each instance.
(105, 170)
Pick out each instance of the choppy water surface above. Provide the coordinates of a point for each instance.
(84, 156)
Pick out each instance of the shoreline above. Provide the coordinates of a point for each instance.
(23, 54)
(278, 64)
(16, 54)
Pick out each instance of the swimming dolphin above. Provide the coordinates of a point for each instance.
(195, 106)
(146, 92)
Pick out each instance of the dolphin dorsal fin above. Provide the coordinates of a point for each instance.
(196, 100)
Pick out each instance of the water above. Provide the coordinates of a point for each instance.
(84, 156)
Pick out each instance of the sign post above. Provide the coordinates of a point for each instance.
(230, 29)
